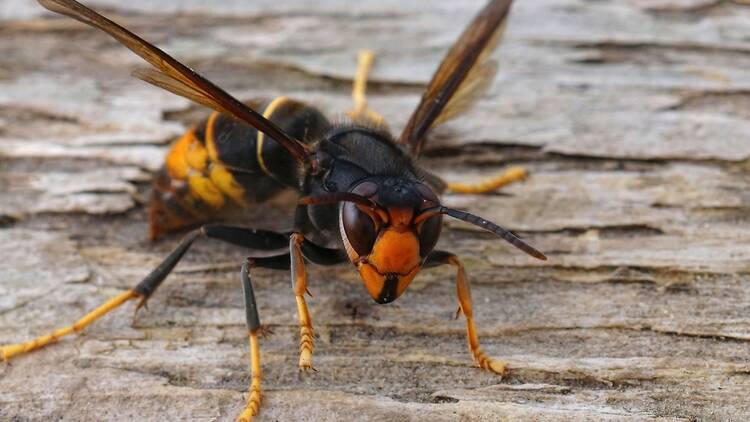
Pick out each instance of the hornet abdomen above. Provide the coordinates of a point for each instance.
(222, 164)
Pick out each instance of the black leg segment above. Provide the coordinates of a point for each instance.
(251, 309)
(437, 258)
(263, 240)
(152, 281)
(320, 255)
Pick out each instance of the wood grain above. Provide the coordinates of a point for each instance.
(632, 117)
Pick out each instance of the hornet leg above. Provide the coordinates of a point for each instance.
(463, 291)
(253, 326)
(299, 284)
(316, 254)
(490, 184)
(11, 350)
(299, 250)
(255, 239)
(361, 111)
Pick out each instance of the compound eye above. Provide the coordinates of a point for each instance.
(359, 229)
(429, 233)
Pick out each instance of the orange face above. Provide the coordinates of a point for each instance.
(394, 260)
(388, 246)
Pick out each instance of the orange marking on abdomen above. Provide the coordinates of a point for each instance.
(197, 156)
(176, 162)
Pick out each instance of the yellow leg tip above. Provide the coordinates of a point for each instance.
(250, 412)
(367, 116)
(252, 407)
(305, 361)
(7, 352)
(306, 334)
(516, 173)
(491, 184)
(366, 57)
(498, 367)
(361, 111)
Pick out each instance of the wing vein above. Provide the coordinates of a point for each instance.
(177, 78)
(462, 77)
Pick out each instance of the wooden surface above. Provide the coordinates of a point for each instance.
(632, 117)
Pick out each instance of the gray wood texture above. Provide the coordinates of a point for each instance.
(632, 117)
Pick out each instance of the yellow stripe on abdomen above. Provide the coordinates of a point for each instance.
(203, 188)
(224, 180)
(213, 152)
(259, 143)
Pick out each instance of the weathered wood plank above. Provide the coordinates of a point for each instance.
(631, 117)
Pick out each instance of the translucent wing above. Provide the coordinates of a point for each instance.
(175, 77)
(463, 76)
(471, 90)
(156, 78)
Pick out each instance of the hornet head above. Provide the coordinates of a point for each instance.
(389, 226)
